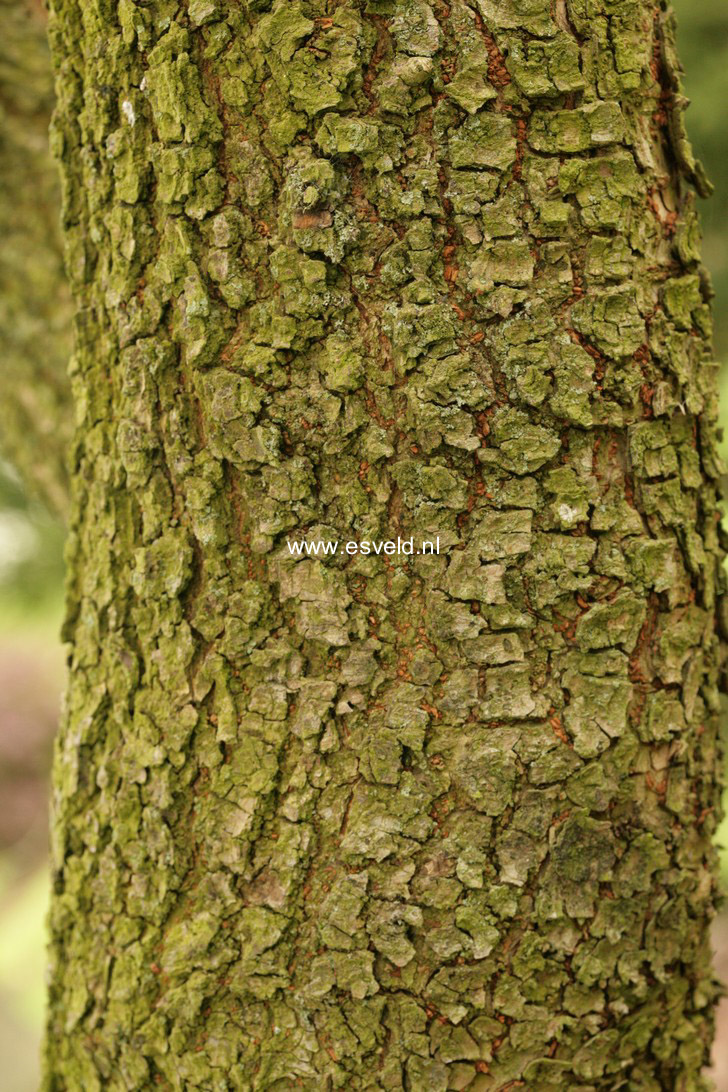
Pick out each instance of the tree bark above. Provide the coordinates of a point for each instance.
(35, 307)
(354, 271)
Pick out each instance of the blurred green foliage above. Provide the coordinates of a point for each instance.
(31, 558)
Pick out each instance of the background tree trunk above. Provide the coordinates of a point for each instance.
(35, 304)
(352, 271)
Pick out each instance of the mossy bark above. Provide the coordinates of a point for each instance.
(36, 417)
(354, 270)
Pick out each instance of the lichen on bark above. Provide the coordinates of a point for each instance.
(353, 270)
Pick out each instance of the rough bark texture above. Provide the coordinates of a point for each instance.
(347, 271)
(36, 418)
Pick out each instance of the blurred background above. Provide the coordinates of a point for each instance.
(31, 539)
(703, 47)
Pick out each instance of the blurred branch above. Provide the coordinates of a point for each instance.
(35, 307)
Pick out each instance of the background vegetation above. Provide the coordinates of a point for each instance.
(31, 656)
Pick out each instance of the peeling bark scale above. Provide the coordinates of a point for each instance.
(356, 270)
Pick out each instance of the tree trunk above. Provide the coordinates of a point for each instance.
(353, 271)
